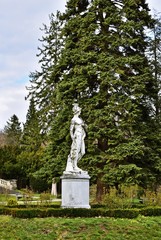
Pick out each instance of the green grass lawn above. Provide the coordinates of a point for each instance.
(141, 228)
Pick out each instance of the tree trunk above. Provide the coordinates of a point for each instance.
(100, 190)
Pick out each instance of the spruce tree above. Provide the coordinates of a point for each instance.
(13, 131)
(11, 149)
(42, 87)
(154, 55)
(31, 144)
(32, 138)
(104, 66)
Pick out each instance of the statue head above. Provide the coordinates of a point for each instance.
(76, 108)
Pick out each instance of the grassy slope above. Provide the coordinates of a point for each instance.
(80, 228)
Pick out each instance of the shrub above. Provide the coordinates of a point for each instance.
(152, 198)
(68, 212)
(27, 195)
(45, 197)
(151, 211)
(2, 210)
(12, 202)
(35, 205)
(114, 200)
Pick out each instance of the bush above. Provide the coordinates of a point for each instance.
(152, 198)
(12, 202)
(45, 197)
(151, 211)
(97, 205)
(37, 205)
(32, 211)
(68, 212)
(2, 210)
(27, 195)
(124, 197)
(131, 196)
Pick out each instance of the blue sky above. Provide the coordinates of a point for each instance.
(20, 23)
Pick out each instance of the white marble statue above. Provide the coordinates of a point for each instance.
(77, 132)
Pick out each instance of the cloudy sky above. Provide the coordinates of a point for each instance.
(20, 23)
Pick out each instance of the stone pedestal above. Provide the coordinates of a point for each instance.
(75, 190)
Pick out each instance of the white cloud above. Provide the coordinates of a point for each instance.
(20, 30)
(154, 4)
(12, 101)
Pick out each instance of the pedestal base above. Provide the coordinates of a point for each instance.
(75, 190)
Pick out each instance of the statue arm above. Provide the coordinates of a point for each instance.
(72, 130)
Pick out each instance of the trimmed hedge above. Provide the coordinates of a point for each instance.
(72, 213)
(151, 211)
(57, 205)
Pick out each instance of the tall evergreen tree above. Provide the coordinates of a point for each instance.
(106, 69)
(42, 88)
(31, 144)
(32, 137)
(104, 66)
(154, 54)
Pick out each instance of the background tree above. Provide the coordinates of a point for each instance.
(13, 131)
(2, 139)
(10, 149)
(56, 151)
(31, 144)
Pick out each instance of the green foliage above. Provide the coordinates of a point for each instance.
(8, 160)
(115, 200)
(43, 82)
(151, 198)
(6, 197)
(13, 131)
(11, 149)
(95, 52)
(151, 211)
(129, 197)
(32, 138)
(39, 183)
(38, 204)
(101, 62)
(154, 53)
(45, 197)
(12, 202)
(85, 213)
(32, 147)
(27, 195)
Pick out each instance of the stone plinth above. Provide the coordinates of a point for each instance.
(75, 190)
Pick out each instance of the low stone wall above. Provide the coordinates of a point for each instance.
(8, 184)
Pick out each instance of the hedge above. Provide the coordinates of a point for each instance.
(58, 205)
(72, 213)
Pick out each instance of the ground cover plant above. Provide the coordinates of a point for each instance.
(80, 228)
